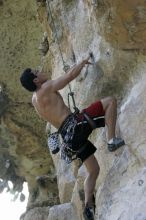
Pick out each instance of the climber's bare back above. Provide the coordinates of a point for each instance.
(50, 107)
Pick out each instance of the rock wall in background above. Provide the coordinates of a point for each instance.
(115, 32)
(23, 152)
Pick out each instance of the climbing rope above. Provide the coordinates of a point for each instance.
(65, 66)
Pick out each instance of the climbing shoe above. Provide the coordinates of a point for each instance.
(88, 213)
(115, 144)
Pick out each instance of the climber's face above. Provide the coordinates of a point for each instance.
(41, 76)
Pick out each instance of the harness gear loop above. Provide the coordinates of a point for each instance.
(65, 66)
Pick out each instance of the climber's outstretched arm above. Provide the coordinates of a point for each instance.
(62, 81)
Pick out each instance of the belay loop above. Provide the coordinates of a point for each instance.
(65, 66)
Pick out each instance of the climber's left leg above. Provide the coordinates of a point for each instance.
(89, 184)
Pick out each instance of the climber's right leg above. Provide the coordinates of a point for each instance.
(110, 107)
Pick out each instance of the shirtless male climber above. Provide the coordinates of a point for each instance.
(49, 104)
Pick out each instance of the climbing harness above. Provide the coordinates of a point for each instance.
(65, 66)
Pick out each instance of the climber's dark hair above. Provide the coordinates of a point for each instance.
(26, 80)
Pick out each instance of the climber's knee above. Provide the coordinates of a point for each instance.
(109, 101)
(92, 166)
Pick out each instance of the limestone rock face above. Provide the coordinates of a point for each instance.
(64, 211)
(126, 27)
(36, 214)
(123, 192)
(115, 32)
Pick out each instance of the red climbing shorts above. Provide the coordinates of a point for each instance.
(94, 110)
(84, 129)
